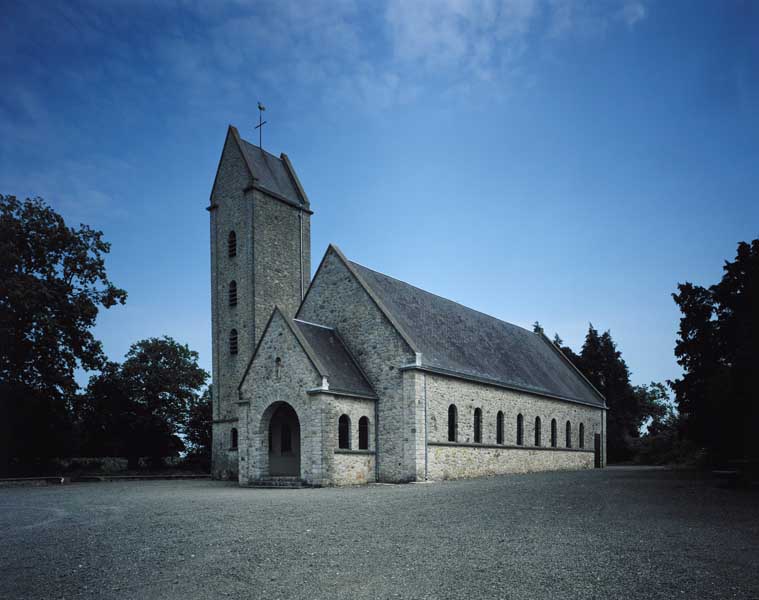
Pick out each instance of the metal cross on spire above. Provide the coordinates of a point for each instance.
(261, 123)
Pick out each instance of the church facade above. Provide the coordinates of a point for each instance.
(357, 377)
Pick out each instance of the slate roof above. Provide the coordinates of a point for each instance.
(459, 340)
(342, 372)
(270, 172)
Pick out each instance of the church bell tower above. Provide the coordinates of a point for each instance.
(260, 258)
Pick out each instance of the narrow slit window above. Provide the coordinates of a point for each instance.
(520, 430)
(363, 433)
(344, 432)
(234, 438)
(499, 428)
(569, 434)
(477, 425)
(453, 423)
(232, 244)
(581, 439)
(553, 433)
(232, 293)
(233, 342)
(537, 431)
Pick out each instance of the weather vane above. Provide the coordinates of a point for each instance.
(261, 123)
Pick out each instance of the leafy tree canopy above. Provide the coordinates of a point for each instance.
(718, 348)
(629, 406)
(52, 284)
(142, 407)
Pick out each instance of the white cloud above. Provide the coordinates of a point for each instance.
(632, 13)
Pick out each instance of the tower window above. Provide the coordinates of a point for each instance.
(232, 293)
(233, 341)
(234, 438)
(344, 432)
(363, 433)
(232, 244)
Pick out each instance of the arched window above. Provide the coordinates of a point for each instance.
(232, 244)
(233, 341)
(453, 423)
(344, 432)
(277, 367)
(553, 433)
(233, 293)
(234, 438)
(499, 428)
(581, 441)
(520, 430)
(569, 434)
(477, 425)
(537, 431)
(363, 433)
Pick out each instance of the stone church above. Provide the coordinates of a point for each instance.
(355, 376)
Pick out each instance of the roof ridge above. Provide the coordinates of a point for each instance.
(416, 287)
(314, 324)
(266, 152)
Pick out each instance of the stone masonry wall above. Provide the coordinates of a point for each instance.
(233, 212)
(264, 387)
(277, 268)
(467, 459)
(267, 271)
(352, 466)
(337, 300)
(459, 462)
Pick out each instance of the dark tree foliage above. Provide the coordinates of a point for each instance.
(718, 348)
(199, 429)
(629, 406)
(142, 407)
(105, 415)
(52, 284)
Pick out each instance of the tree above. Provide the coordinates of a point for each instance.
(718, 348)
(199, 429)
(629, 406)
(52, 284)
(143, 406)
(163, 379)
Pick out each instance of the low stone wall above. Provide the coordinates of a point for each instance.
(353, 467)
(458, 461)
(107, 464)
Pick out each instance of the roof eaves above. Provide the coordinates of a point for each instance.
(307, 348)
(573, 366)
(355, 362)
(294, 177)
(498, 383)
(280, 197)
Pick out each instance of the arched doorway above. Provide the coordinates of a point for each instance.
(284, 441)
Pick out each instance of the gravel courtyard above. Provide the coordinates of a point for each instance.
(595, 534)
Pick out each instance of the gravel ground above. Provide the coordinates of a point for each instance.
(634, 533)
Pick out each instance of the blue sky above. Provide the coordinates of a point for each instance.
(567, 162)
